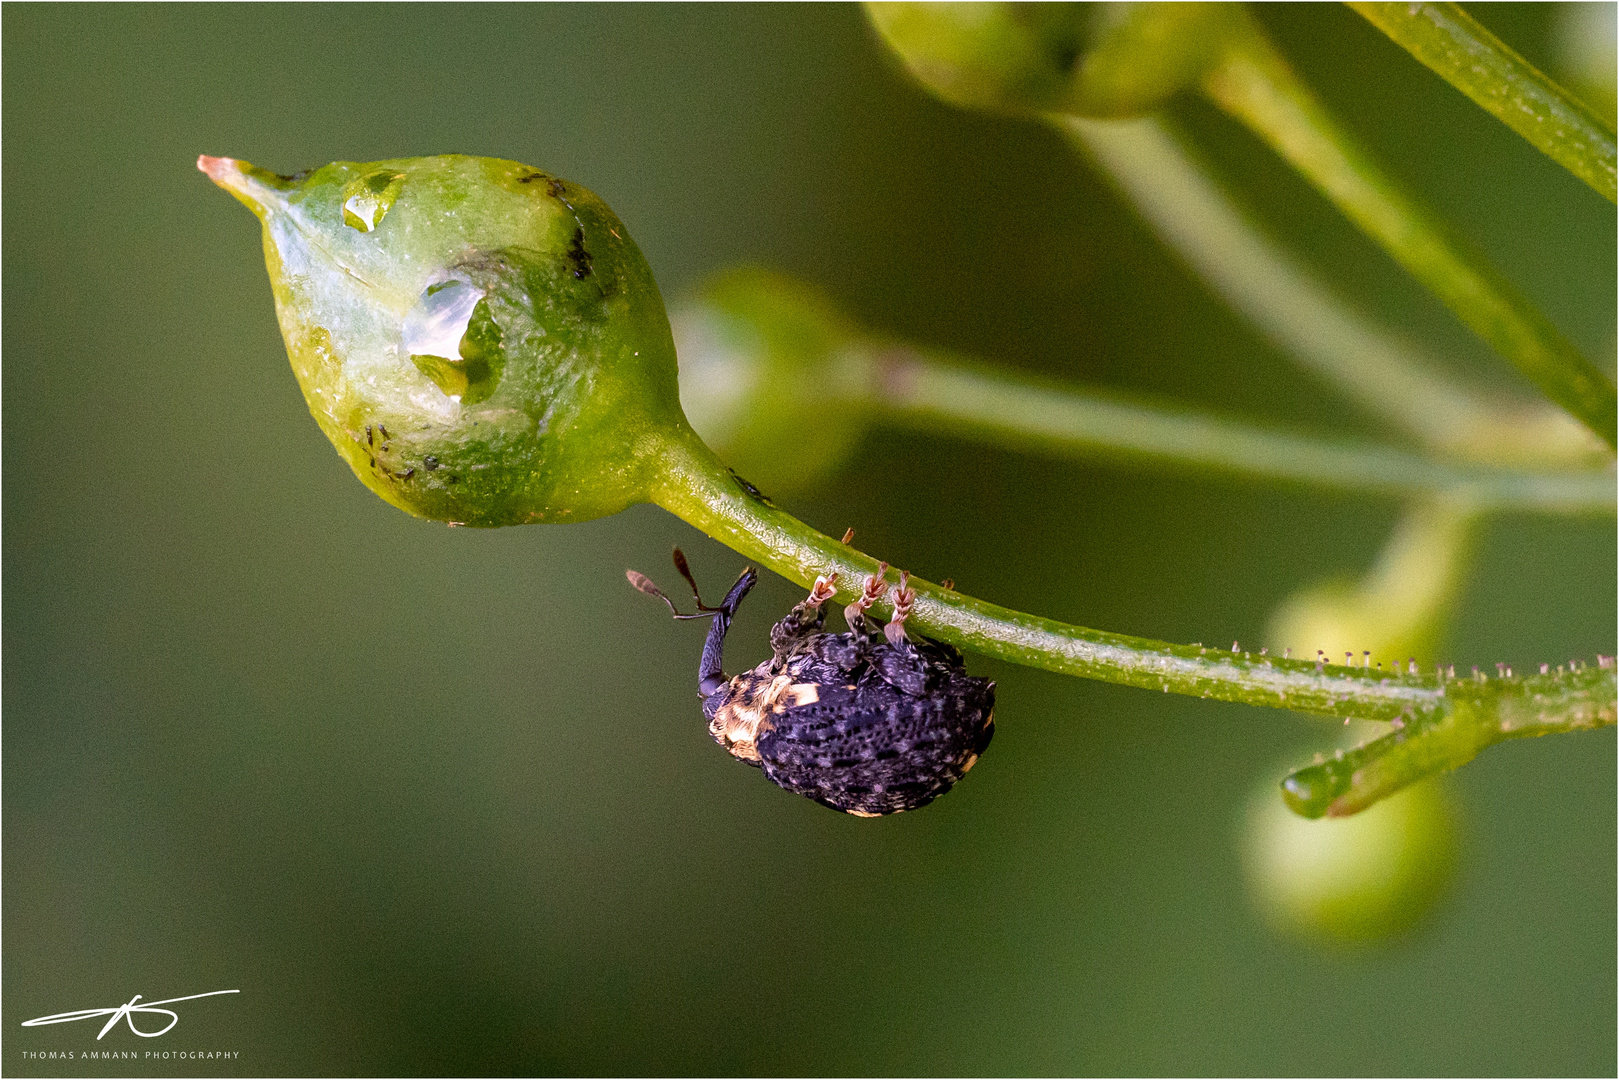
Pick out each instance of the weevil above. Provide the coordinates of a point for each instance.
(869, 722)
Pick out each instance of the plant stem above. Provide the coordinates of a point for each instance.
(999, 407)
(1514, 91)
(1480, 712)
(1254, 84)
(693, 485)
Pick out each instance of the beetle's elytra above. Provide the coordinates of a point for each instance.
(868, 722)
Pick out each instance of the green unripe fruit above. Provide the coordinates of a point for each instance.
(1088, 59)
(482, 342)
(773, 377)
(1351, 880)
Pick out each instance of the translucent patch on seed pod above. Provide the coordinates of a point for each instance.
(452, 339)
(367, 199)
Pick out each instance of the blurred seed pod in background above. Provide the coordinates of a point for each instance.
(1354, 880)
(1087, 59)
(773, 377)
(1378, 873)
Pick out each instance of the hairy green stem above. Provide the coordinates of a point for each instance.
(1480, 711)
(1016, 411)
(1254, 84)
(693, 485)
(1514, 91)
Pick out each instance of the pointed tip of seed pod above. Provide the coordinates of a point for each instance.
(251, 185)
(215, 167)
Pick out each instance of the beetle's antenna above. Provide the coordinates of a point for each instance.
(646, 585)
(685, 572)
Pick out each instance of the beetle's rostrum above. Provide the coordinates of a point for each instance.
(869, 722)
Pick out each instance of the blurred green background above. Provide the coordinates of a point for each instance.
(442, 800)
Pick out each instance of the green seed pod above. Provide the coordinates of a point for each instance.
(773, 377)
(1090, 59)
(482, 342)
(1351, 880)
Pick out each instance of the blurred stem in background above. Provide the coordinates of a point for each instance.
(1021, 412)
(1476, 62)
(1192, 213)
(760, 352)
(1256, 85)
(1122, 61)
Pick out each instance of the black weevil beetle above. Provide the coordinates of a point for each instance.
(868, 722)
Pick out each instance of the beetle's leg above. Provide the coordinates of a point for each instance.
(805, 619)
(823, 590)
(711, 670)
(904, 597)
(855, 613)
